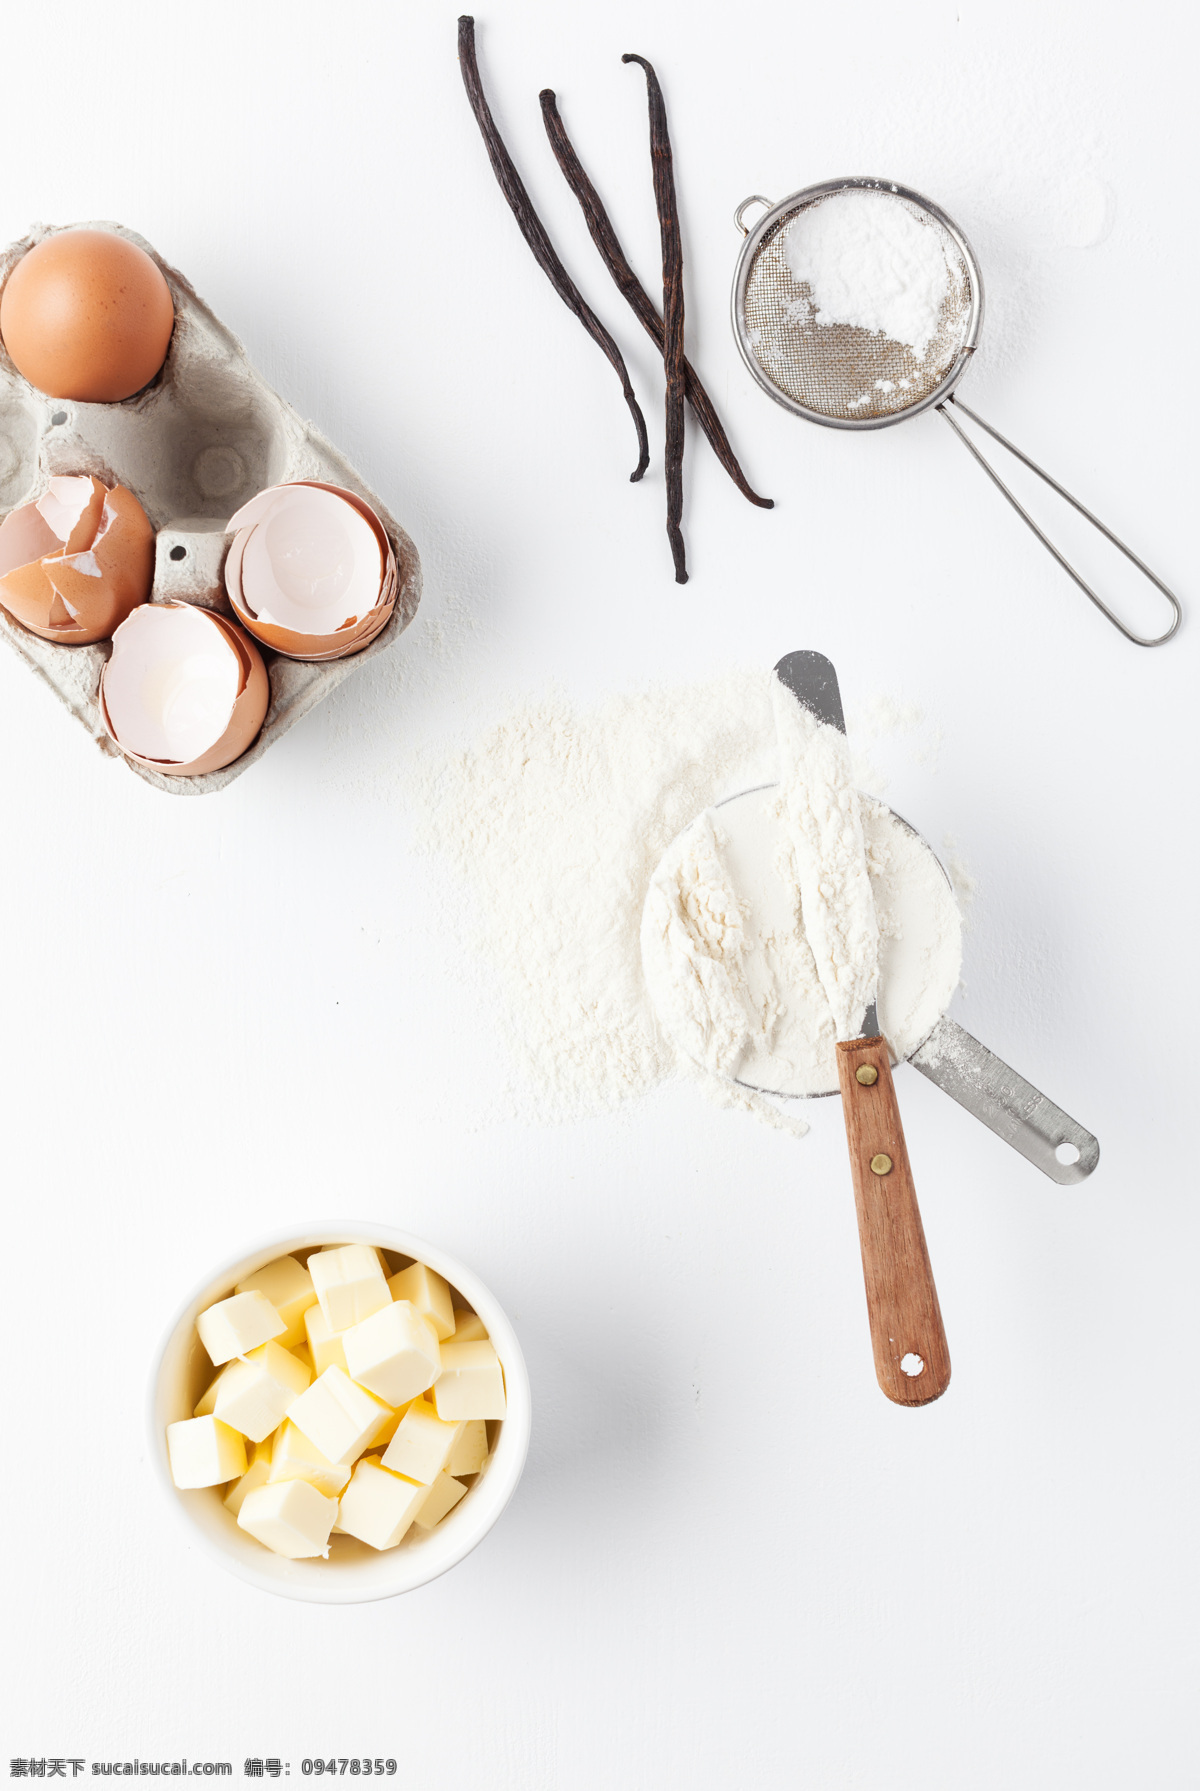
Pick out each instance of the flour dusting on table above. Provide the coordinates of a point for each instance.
(555, 823)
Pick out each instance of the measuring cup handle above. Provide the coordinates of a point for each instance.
(1011, 1107)
(1139, 640)
(912, 1361)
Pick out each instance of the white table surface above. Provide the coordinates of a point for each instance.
(731, 1562)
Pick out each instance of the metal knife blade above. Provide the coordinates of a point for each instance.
(813, 682)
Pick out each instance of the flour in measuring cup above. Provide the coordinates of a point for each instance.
(774, 919)
(552, 823)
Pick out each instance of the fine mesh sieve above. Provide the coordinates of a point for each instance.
(848, 376)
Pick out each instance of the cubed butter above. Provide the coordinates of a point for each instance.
(429, 1293)
(471, 1384)
(204, 1452)
(422, 1444)
(235, 1326)
(378, 1507)
(470, 1451)
(288, 1286)
(389, 1429)
(350, 1284)
(324, 1345)
(292, 1518)
(394, 1353)
(441, 1497)
(256, 1395)
(208, 1399)
(342, 1419)
(295, 1458)
(468, 1326)
(256, 1475)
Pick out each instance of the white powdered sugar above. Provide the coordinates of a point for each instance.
(871, 260)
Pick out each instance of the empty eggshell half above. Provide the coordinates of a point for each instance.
(185, 691)
(77, 561)
(310, 571)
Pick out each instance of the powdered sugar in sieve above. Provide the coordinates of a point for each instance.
(857, 303)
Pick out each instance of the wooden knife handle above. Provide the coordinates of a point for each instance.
(902, 1302)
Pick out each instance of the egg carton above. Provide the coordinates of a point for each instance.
(193, 447)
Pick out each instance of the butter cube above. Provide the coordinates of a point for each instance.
(288, 1286)
(422, 1444)
(468, 1326)
(295, 1458)
(204, 1452)
(292, 1518)
(471, 1384)
(208, 1399)
(426, 1290)
(442, 1497)
(470, 1451)
(235, 1326)
(394, 1353)
(379, 1507)
(389, 1429)
(256, 1395)
(324, 1345)
(255, 1476)
(350, 1284)
(339, 1417)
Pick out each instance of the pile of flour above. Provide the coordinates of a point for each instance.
(749, 997)
(869, 260)
(554, 823)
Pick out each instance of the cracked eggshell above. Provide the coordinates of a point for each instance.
(77, 561)
(185, 692)
(256, 568)
(194, 446)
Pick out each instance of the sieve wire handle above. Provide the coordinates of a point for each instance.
(1139, 640)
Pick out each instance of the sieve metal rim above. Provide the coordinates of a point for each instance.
(821, 190)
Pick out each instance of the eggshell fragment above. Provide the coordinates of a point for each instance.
(185, 691)
(304, 574)
(77, 561)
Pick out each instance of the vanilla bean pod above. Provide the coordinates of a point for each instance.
(640, 303)
(533, 230)
(672, 259)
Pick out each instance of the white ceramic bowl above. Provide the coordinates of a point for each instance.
(354, 1572)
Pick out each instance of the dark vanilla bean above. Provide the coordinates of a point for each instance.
(642, 305)
(672, 259)
(532, 229)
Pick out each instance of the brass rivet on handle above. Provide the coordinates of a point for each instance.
(882, 1164)
(867, 1074)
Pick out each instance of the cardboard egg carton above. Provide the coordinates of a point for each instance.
(202, 439)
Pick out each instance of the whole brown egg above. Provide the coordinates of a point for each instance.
(87, 315)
